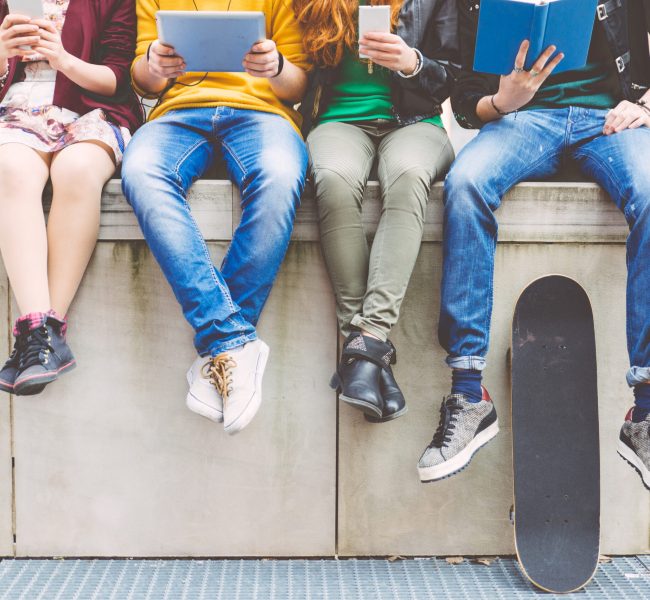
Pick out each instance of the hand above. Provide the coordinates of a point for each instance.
(390, 51)
(164, 62)
(263, 60)
(626, 115)
(16, 31)
(520, 87)
(50, 45)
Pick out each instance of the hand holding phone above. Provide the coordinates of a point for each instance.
(373, 19)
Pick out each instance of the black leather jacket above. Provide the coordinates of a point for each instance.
(431, 26)
(626, 24)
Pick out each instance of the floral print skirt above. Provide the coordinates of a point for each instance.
(50, 129)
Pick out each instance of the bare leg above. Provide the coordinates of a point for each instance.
(23, 242)
(79, 173)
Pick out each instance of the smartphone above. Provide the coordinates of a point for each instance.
(375, 19)
(30, 8)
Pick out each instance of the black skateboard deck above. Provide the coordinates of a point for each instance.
(555, 435)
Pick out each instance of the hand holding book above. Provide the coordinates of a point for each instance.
(519, 87)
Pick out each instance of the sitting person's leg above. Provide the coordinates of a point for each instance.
(23, 244)
(619, 163)
(79, 173)
(160, 164)
(267, 160)
(411, 158)
(520, 146)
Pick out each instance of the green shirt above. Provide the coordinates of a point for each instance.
(593, 86)
(361, 96)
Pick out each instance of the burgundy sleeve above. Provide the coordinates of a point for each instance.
(117, 41)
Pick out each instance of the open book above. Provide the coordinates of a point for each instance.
(504, 24)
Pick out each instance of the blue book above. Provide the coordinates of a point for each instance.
(504, 24)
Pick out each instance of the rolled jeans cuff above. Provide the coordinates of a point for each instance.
(638, 375)
(473, 363)
(219, 347)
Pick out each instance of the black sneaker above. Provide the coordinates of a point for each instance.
(46, 356)
(634, 445)
(464, 428)
(11, 368)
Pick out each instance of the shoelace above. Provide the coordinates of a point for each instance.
(37, 348)
(448, 415)
(218, 371)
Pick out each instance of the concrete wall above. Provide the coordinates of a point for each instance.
(110, 462)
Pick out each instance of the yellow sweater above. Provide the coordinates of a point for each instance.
(236, 90)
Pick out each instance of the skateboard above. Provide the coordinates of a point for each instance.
(555, 435)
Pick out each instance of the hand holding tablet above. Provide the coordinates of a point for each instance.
(215, 41)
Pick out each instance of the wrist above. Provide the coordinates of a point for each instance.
(497, 106)
(66, 63)
(412, 63)
(419, 63)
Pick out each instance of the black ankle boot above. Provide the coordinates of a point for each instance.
(359, 372)
(11, 368)
(45, 357)
(394, 402)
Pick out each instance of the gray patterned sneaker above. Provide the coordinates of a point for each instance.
(464, 428)
(634, 445)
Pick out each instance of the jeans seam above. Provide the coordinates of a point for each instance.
(184, 157)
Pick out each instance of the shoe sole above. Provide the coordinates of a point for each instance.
(461, 460)
(201, 408)
(394, 415)
(635, 462)
(5, 386)
(36, 383)
(247, 415)
(367, 408)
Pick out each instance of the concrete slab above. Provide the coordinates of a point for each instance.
(384, 509)
(112, 463)
(6, 491)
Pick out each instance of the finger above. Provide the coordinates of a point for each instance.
(262, 47)
(550, 67)
(48, 35)
(638, 122)
(20, 29)
(161, 49)
(378, 36)
(520, 59)
(381, 47)
(261, 59)
(260, 69)
(625, 123)
(45, 24)
(23, 41)
(169, 63)
(540, 63)
(375, 55)
(14, 19)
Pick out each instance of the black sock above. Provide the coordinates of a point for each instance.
(641, 402)
(468, 383)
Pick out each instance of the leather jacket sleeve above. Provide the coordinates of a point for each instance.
(470, 86)
(440, 40)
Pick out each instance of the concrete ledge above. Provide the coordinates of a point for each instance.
(531, 212)
(109, 462)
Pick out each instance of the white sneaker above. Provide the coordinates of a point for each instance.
(241, 370)
(203, 397)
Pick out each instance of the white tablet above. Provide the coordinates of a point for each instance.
(30, 8)
(211, 41)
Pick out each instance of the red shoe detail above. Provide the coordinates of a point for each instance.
(485, 396)
(628, 416)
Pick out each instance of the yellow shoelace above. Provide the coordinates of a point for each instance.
(218, 371)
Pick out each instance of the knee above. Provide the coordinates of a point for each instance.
(335, 194)
(278, 181)
(466, 189)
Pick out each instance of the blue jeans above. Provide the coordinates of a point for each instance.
(532, 145)
(267, 160)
